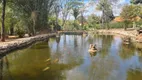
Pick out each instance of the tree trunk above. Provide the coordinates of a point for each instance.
(11, 29)
(125, 28)
(82, 25)
(108, 27)
(34, 18)
(34, 25)
(63, 23)
(56, 23)
(3, 19)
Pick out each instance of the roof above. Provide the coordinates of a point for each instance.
(120, 19)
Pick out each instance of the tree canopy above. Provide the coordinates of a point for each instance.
(136, 1)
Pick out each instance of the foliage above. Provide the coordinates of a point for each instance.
(76, 5)
(20, 33)
(20, 29)
(116, 24)
(107, 14)
(136, 1)
(129, 14)
(93, 20)
(37, 10)
(75, 12)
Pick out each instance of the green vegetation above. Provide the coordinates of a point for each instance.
(20, 17)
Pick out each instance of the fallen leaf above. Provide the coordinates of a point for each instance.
(56, 60)
(48, 60)
(46, 68)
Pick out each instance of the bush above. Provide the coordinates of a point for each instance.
(20, 33)
(116, 25)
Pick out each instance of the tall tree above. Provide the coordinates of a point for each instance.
(3, 20)
(37, 10)
(107, 13)
(57, 8)
(76, 5)
(129, 14)
(136, 1)
(93, 20)
(65, 9)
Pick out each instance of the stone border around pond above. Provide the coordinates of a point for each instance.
(23, 42)
(6, 47)
(72, 32)
(132, 34)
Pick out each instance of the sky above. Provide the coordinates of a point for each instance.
(91, 9)
(117, 7)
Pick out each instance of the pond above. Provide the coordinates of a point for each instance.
(67, 58)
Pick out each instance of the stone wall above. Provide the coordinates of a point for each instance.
(130, 33)
(6, 47)
(72, 32)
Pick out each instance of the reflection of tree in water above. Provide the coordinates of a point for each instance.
(75, 42)
(103, 43)
(90, 39)
(31, 61)
(106, 44)
(58, 40)
(93, 54)
(72, 53)
(1, 68)
(102, 68)
(134, 75)
(126, 51)
(139, 52)
(40, 45)
(4, 69)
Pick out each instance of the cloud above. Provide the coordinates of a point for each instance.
(117, 8)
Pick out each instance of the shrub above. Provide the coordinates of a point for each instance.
(116, 25)
(20, 33)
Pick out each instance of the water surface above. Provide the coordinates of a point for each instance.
(70, 60)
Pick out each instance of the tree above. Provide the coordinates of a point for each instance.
(65, 9)
(75, 12)
(76, 5)
(93, 20)
(136, 1)
(10, 20)
(129, 14)
(57, 9)
(3, 20)
(37, 10)
(107, 13)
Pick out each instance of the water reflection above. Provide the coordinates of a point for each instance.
(1, 68)
(112, 61)
(58, 40)
(134, 75)
(93, 54)
(127, 51)
(4, 69)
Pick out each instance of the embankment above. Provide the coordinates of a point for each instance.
(8, 46)
(129, 33)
